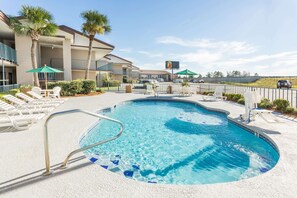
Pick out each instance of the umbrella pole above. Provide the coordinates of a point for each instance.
(45, 81)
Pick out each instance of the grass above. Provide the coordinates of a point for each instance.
(109, 88)
(266, 82)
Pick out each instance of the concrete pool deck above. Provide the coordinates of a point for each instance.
(22, 160)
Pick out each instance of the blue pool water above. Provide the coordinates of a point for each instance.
(178, 143)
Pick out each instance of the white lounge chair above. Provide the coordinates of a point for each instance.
(185, 91)
(56, 92)
(43, 103)
(217, 95)
(21, 103)
(38, 90)
(12, 110)
(150, 90)
(252, 98)
(39, 97)
(18, 122)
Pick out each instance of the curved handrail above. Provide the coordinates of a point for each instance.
(45, 137)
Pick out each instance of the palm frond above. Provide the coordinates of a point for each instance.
(34, 21)
(95, 23)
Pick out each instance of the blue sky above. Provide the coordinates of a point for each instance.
(252, 35)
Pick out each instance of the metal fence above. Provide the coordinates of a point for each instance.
(5, 88)
(270, 93)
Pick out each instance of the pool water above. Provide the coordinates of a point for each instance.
(178, 143)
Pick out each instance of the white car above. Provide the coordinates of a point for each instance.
(178, 80)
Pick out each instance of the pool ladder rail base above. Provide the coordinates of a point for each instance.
(48, 171)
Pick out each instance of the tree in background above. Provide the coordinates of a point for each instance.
(217, 74)
(95, 23)
(208, 75)
(33, 22)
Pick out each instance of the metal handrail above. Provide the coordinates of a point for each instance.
(46, 147)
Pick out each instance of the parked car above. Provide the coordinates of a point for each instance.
(178, 80)
(201, 81)
(284, 83)
(160, 80)
(194, 80)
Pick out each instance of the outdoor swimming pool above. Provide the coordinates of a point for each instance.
(178, 143)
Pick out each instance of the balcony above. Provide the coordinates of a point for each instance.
(7, 53)
(107, 67)
(82, 64)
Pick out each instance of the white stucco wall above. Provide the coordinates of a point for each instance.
(23, 50)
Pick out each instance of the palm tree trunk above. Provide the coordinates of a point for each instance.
(89, 56)
(34, 61)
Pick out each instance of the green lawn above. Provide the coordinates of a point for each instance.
(266, 82)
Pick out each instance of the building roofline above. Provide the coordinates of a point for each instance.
(119, 57)
(4, 18)
(153, 70)
(72, 31)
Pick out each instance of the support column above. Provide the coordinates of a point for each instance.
(23, 52)
(67, 59)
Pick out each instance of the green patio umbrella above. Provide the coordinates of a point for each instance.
(45, 69)
(186, 73)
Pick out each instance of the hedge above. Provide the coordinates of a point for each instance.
(71, 88)
(88, 86)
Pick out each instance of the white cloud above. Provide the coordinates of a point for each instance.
(200, 57)
(157, 65)
(127, 50)
(283, 63)
(151, 54)
(235, 47)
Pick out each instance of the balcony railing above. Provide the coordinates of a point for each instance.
(7, 53)
(107, 67)
(82, 64)
(77, 64)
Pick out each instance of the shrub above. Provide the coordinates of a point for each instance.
(229, 96)
(265, 104)
(25, 88)
(207, 92)
(75, 86)
(69, 88)
(111, 83)
(236, 97)
(88, 86)
(99, 90)
(241, 101)
(185, 84)
(281, 104)
(289, 110)
(13, 91)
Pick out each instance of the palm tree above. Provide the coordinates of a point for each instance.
(33, 22)
(95, 23)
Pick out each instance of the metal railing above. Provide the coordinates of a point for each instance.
(45, 136)
(4, 88)
(106, 67)
(269, 93)
(7, 53)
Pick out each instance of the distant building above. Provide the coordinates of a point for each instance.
(155, 74)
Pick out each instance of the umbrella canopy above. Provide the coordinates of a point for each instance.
(45, 69)
(186, 72)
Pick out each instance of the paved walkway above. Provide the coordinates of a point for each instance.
(22, 160)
